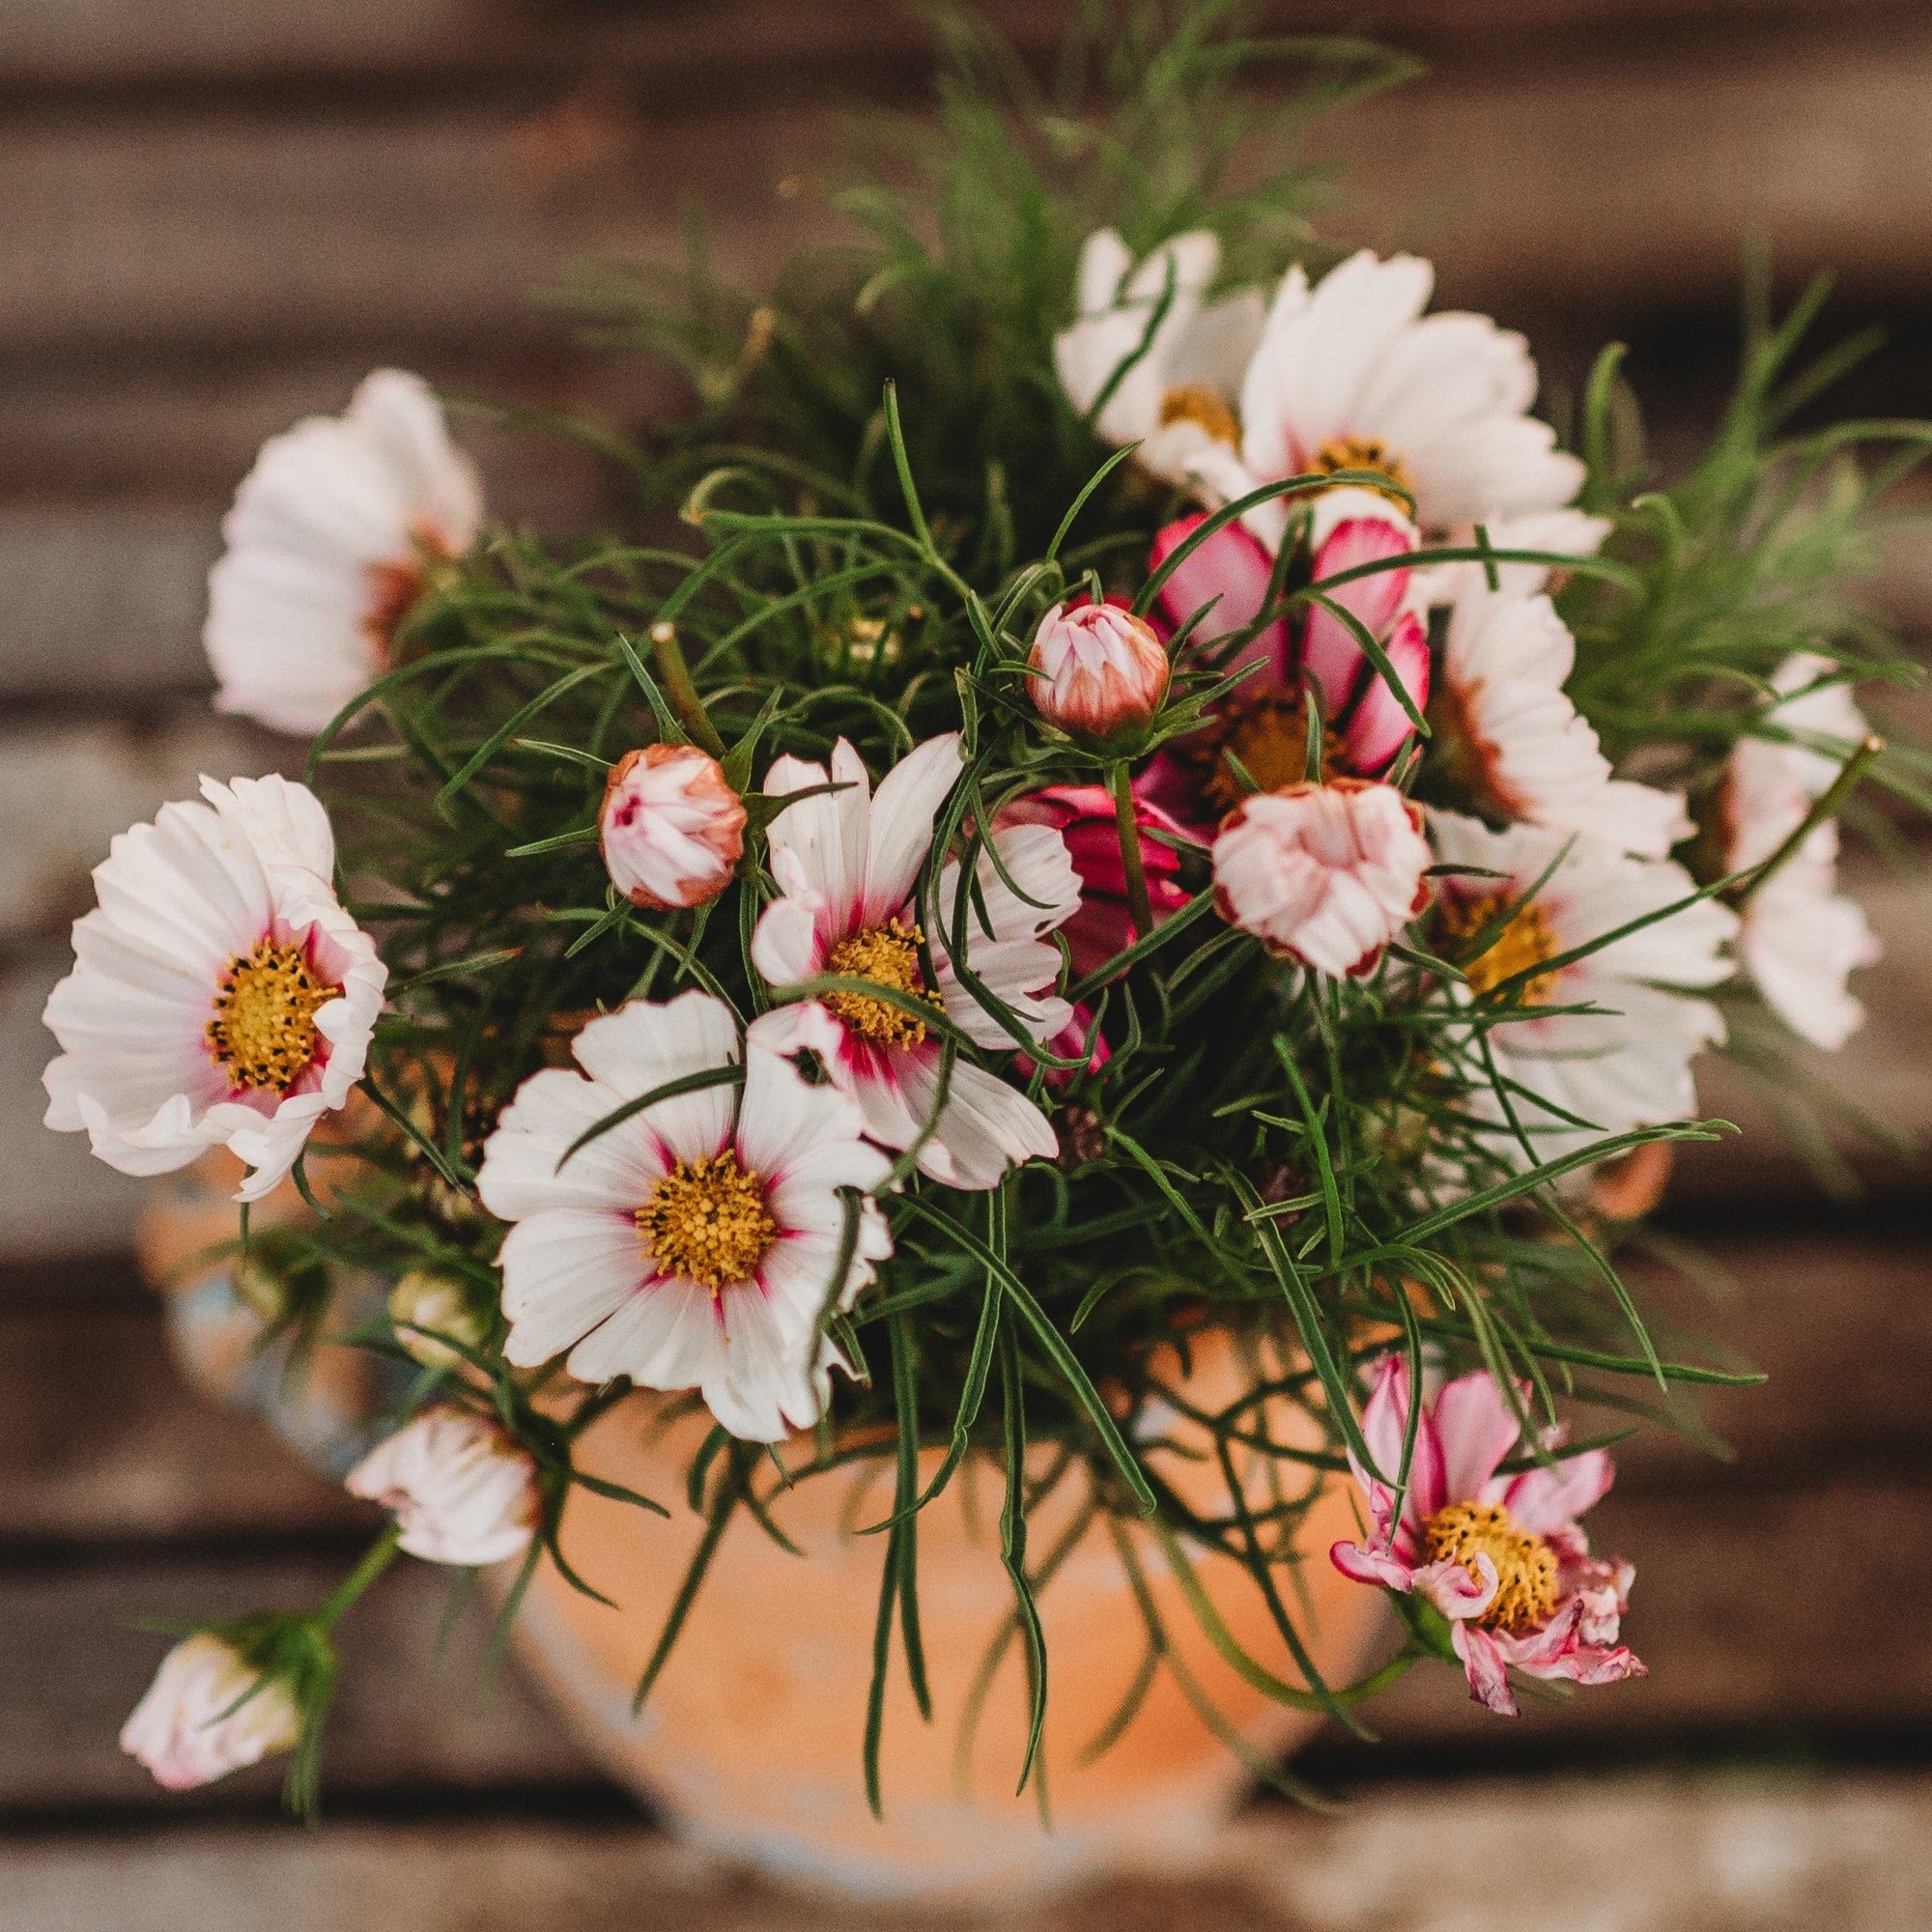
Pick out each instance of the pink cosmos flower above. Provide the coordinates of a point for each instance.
(1084, 817)
(1265, 722)
(1325, 875)
(1097, 669)
(848, 863)
(1501, 1557)
(204, 1716)
(461, 1489)
(671, 828)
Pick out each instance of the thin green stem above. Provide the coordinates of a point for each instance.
(375, 1559)
(1139, 905)
(681, 691)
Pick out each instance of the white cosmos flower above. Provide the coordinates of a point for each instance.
(1623, 1066)
(693, 1244)
(326, 545)
(846, 863)
(1565, 532)
(221, 995)
(208, 1713)
(1350, 374)
(1801, 938)
(1177, 397)
(462, 1491)
(1505, 662)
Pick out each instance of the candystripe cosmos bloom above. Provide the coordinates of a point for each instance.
(1178, 366)
(204, 1716)
(460, 1489)
(847, 863)
(1350, 375)
(693, 1244)
(1096, 670)
(328, 546)
(1519, 740)
(672, 828)
(221, 995)
(1627, 1064)
(1324, 875)
(1501, 1557)
(1801, 938)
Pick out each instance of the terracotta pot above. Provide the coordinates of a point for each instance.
(752, 1740)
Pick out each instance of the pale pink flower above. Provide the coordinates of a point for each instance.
(1501, 1556)
(460, 1491)
(848, 865)
(1096, 670)
(1325, 875)
(330, 543)
(208, 1712)
(672, 828)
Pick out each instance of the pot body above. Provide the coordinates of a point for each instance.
(752, 1740)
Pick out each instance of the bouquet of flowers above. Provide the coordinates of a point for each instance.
(1121, 801)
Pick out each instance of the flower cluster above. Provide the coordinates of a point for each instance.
(1217, 844)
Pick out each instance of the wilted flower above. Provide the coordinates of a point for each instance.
(672, 828)
(1322, 874)
(1501, 1557)
(208, 1712)
(1097, 671)
(462, 1491)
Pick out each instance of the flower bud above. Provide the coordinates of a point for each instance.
(1097, 671)
(424, 1299)
(1322, 874)
(461, 1489)
(672, 830)
(199, 1721)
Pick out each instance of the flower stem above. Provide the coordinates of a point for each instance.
(1139, 905)
(375, 1560)
(679, 688)
(1824, 807)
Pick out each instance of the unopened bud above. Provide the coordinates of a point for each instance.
(461, 1491)
(208, 1712)
(1097, 671)
(672, 830)
(424, 1299)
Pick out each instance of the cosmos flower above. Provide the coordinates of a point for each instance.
(671, 828)
(1098, 672)
(460, 1491)
(221, 995)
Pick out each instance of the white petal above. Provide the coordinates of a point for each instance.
(563, 1273)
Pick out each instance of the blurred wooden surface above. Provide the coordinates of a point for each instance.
(216, 214)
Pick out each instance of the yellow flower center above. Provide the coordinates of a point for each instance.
(1366, 452)
(1268, 731)
(707, 1221)
(1526, 1564)
(1525, 941)
(1204, 405)
(263, 1031)
(888, 955)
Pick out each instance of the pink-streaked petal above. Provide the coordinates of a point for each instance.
(1331, 657)
(1457, 1591)
(984, 1127)
(563, 1273)
(1482, 1664)
(664, 1334)
(900, 824)
(773, 1379)
(823, 838)
(1231, 572)
(1378, 727)
(1365, 1564)
(1478, 1429)
(1548, 1501)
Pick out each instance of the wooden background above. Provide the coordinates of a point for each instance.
(215, 215)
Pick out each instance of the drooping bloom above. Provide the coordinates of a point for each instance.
(1503, 715)
(1802, 937)
(460, 1491)
(1501, 1557)
(326, 547)
(1324, 874)
(693, 1245)
(847, 863)
(1168, 361)
(1084, 816)
(208, 1712)
(671, 828)
(1537, 894)
(1222, 589)
(1350, 375)
(1096, 670)
(221, 995)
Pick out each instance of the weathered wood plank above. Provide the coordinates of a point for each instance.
(1667, 1853)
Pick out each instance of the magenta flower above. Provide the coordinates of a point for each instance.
(1266, 720)
(1503, 1557)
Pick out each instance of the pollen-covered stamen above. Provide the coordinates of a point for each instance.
(888, 955)
(1526, 940)
(263, 1032)
(707, 1221)
(1526, 1564)
(1366, 452)
(1268, 732)
(1204, 405)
